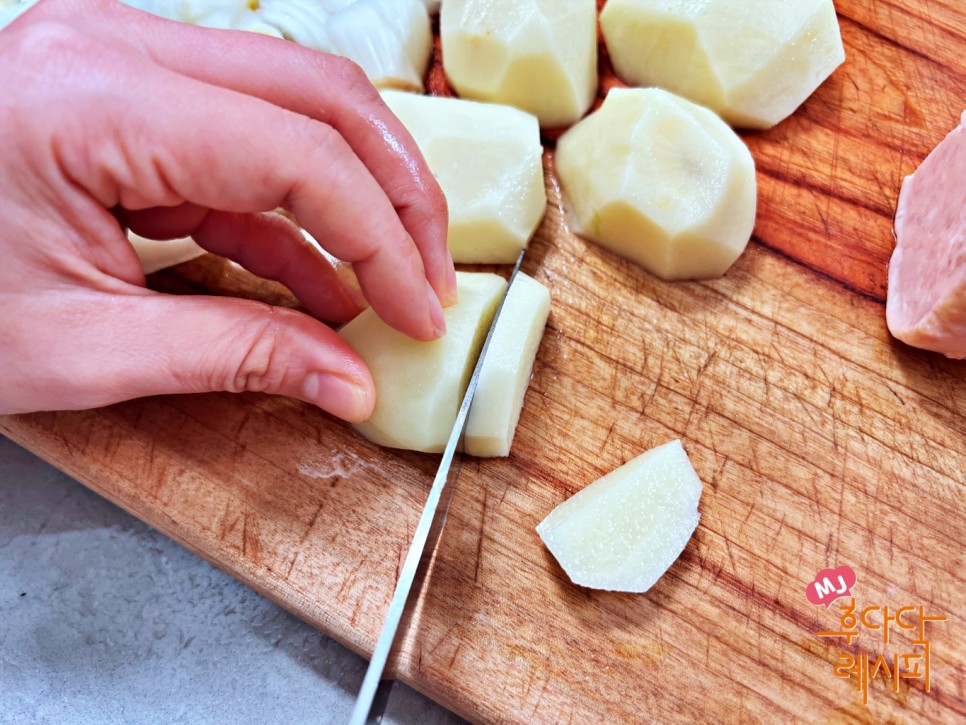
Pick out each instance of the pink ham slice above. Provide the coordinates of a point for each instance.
(926, 305)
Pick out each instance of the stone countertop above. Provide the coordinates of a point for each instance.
(103, 619)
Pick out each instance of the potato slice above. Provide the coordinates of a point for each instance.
(661, 181)
(506, 370)
(622, 532)
(489, 162)
(420, 385)
(752, 61)
(538, 55)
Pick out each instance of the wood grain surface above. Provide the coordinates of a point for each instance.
(820, 440)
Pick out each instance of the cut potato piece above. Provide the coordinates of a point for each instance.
(661, 181)
(420, 385)
(488, 161)
(506, 370)
(752, 61)
(156, 255)
(623, 531)
(538, 55)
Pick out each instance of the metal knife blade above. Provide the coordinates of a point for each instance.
(377, 684)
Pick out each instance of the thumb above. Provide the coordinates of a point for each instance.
(130, 346)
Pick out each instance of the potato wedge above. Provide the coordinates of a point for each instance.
(622, 532)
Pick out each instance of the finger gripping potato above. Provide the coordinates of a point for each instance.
(420, 385)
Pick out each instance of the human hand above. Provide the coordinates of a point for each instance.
(111, 114)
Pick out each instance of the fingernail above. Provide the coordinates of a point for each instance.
(436, 312)
(451, 295)
(337, 395)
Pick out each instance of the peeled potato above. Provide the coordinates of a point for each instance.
(488, 161)
(752, 61)
(538, 55)
(622, 532)
(661, 181)
(506, 369)
(420, 385)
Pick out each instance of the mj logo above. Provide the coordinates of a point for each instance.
(831, 584)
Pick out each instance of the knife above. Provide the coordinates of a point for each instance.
(377, 684)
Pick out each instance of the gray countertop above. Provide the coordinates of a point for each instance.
(103, 619)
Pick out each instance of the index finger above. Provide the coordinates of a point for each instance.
(325, 88)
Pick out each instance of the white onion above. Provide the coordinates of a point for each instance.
(390, 39)
(303, 21)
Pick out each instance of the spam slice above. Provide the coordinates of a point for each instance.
(926, 303)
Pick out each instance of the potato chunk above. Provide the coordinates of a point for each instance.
(538, 55)
(489, 162)
(420, 385)
(506, 371)
(623, 531)
(752, 61)
(661, 181)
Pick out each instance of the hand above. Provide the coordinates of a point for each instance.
(108, 113)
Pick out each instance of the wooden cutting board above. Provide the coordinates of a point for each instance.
(821, 442)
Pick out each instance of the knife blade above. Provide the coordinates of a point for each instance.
(380, 675)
